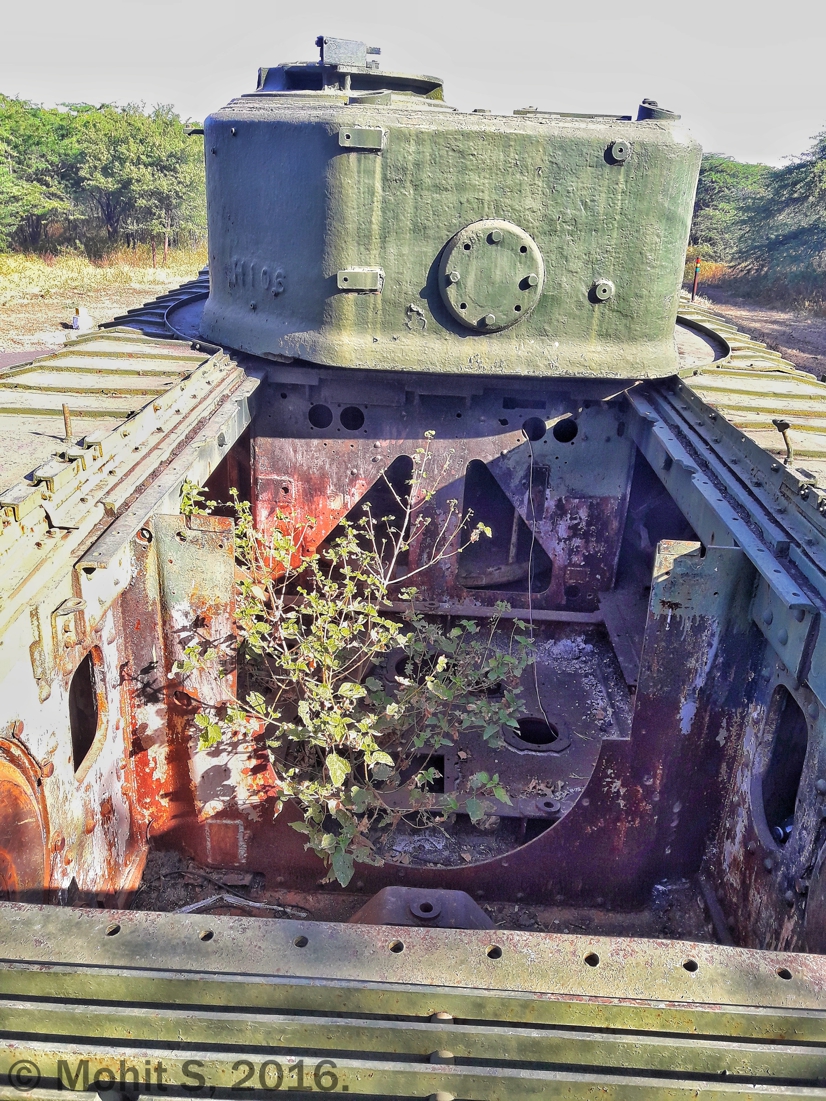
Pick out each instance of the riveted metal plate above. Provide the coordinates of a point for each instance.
(491, 275)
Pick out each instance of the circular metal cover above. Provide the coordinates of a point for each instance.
(23, 864)
(491, 275)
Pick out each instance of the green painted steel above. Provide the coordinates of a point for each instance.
(196, 1002)
(303, 187)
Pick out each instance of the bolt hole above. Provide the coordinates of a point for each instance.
(320, 416)
(784, 973)
(536, 731)
(592, 959)
(458, 414)
(426, 907)
(566, 430)
(144, 536)
(504, 422)
(494, 952)
(517, 308)
(351, 418)
(466, 247)
(397, 946)
(523, 248)
(534, 428)
(463, 305)
(284, 396)
(206, 934)
(301, 942)
(113, 929)
(691, 965)
(347, 136)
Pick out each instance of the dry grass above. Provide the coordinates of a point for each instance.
(39, 293)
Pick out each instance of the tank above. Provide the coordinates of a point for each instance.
(370, 225)
(645, 913)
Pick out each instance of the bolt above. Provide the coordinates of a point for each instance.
(768, 863)
(496, 236)
(533, 280)
(490, 318)
(454, 277)
(820, 786)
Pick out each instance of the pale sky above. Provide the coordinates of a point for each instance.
(749, 79)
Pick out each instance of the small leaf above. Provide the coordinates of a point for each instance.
(338, 768)
(475, 808)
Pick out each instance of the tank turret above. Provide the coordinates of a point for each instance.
(356, 220)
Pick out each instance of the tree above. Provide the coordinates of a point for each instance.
(724, 190)
(33, 189)
(783, 254)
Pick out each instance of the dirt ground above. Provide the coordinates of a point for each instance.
(798, 337)
(38, 298)
(171, 882)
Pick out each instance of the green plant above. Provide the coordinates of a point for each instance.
(355, 687)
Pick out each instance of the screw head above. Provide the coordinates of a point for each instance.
(496, 236)
(532, 280)
(603, 289)
(454, 277)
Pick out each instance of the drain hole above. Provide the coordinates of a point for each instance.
(535, 428)
(397, 946)
(592, 959)
(537, 731)
(784, 972)
(351, 418)
(113, 929)
(206, 934)
(426, 907)
(494, 952)
(565, 431)
(320, 416)
(691, 965)
(301, 942)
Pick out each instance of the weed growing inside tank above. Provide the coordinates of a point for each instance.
(355, 687)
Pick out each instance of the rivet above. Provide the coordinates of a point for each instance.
(789, 897)
(799, 614)
(820, 786)
(775, 467)
(441, 1016)
(442, 1057)
(813, 710)
(768, 616)
(768, 863)
(496, 236)
(751, 847)
(533, 280)
(782, 636)
(441, 1095)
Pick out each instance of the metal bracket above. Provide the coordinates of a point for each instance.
(360, 279)
(360, 138)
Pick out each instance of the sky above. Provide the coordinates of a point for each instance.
(748, 79)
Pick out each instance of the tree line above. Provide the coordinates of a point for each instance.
(96, 178)
(768, 225)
